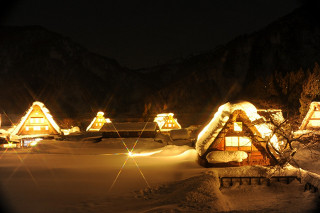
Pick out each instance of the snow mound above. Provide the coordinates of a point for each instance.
(226, 156)
(177, 134)
(196, 194)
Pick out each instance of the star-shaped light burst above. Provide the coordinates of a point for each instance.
(131, 155)
(12, 146)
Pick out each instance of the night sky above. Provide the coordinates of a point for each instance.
(140, 33)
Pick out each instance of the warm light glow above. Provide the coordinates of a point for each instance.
(98, 122)
(167, 120)
(10, 145)
(25, 119)
(131, 154)
(237, 126)
(221, 117)
(244, 141)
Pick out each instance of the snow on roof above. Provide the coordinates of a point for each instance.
(312, 107)
(272, 114)
(101, 115)
(45, 112)
(162, 118)
(209, 133)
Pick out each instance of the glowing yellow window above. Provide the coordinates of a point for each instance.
(244, 141)
(169, 125)
(36, 128)
(27, 128)
(231, 141)
(47, 128)
(237, 126)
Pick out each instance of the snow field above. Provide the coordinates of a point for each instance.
(76, 176)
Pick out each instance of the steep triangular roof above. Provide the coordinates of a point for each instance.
(40, 107)
(258, 126)
(97, 122)
(312, 115)
(166, 121)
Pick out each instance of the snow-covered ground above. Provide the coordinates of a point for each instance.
(83, 176)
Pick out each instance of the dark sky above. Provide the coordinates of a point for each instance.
(139, 33)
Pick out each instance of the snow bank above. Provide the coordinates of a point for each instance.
(226, 156)
(196, 194)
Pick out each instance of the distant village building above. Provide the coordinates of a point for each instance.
(129, 130)
(311, 121)
(236, 136)
(97, 122)
(36, 122)
(167, 122)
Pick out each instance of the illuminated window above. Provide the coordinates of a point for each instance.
(31, 120)
(37, 120)
(36, 128)
(96, 124)
(27, 128)
(47, 128)
(231, 141)
(42, 120)
(100, 124)
(237, 126)
(237, 141)
(244, 141)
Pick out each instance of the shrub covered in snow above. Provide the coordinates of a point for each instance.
(179, 134)
(226, 156)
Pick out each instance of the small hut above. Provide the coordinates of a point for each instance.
(167, 122)
(237, 135)
(97, 122)
(37, 122)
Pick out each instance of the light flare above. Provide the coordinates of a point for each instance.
(130, 155)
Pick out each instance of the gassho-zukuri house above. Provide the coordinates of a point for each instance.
(167, 122)
(237, 135)
(311, 122)
(97, 122)
(37, 122)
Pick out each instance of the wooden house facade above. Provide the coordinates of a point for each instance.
(97, 122)
(167, 122)
(36, 122)
(312, 119)
(235, 130)
(239, 134)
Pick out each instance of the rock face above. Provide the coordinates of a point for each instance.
(36, 64)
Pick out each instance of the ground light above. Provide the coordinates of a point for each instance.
(131, 155)
(22, 161)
